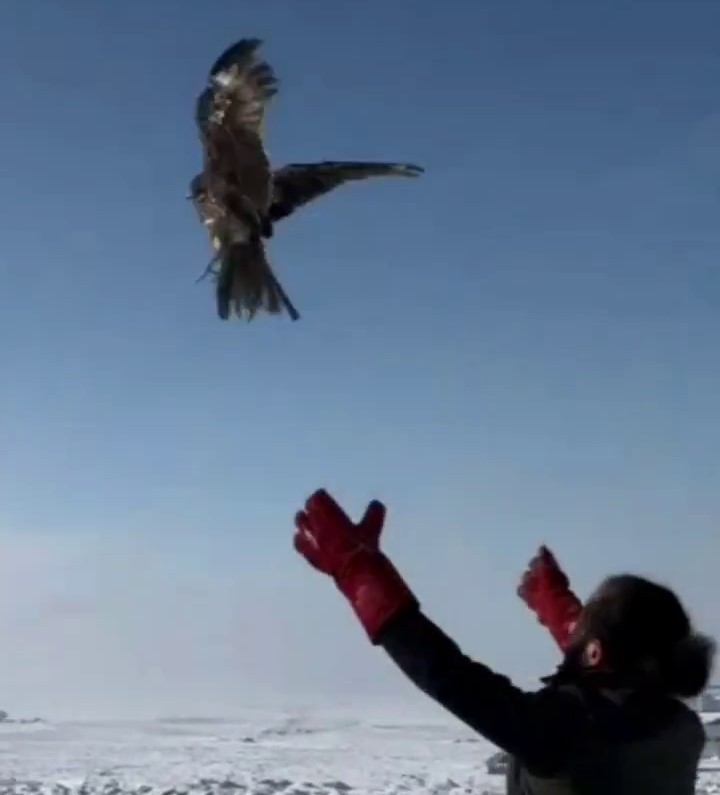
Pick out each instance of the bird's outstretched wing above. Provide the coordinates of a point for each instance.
(297, 184)
(230, 118)
(233, 55)
(240, 85)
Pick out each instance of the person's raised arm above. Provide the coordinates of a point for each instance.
(539, 728)
(545, 589)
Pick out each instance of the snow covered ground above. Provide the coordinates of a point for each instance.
(263, 754)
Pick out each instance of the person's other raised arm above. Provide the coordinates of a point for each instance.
(545, 589)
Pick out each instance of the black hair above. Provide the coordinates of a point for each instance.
(645, 630)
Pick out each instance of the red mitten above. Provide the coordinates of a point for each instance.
(546, 590)
(350, 554)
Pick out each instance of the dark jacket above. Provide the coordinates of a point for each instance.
(580, 733)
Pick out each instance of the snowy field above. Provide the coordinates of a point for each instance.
(293, 754)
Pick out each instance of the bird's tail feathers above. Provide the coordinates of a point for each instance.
(246, 284)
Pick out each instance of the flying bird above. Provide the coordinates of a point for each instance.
(233, 193)
(239, 197)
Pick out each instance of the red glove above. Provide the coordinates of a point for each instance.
(546, 590)
(350, 554)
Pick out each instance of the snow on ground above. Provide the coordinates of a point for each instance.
(263, 754)
(291, 754)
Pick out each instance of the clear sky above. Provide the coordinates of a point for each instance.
(521, 346)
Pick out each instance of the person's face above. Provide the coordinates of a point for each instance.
(585, 650)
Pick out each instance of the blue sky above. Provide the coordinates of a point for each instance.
(519, 347)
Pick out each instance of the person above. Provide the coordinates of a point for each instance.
(610, 720)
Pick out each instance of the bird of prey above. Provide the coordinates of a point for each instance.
(239, 197)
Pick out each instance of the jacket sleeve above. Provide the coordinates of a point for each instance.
(540, 729)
